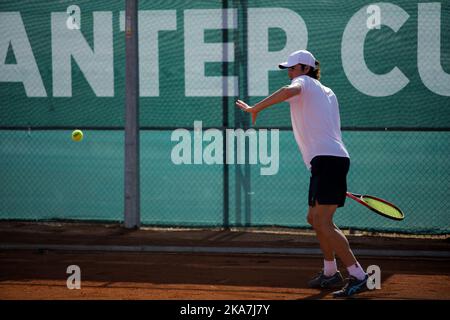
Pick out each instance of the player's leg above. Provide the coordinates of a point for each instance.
(328, 233)
(325, 228)
(329, 276)
(326, 247)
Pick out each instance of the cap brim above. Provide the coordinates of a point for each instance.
(284, 65)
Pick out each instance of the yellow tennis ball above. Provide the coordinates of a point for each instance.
(77, 135)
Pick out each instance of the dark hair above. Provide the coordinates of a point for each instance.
(313, 73)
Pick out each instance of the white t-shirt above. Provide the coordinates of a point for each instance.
(315, 120)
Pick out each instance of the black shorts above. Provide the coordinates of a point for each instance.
(328, 182)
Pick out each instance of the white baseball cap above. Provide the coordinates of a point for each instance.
(301, 56)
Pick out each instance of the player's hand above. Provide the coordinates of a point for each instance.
(245, 107)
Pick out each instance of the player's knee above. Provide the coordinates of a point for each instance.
(322, 226)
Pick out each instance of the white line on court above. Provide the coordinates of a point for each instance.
(227, 250)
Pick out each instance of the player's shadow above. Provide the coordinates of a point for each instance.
(320, 295)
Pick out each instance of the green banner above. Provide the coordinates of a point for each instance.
(62, 62)
(62, 66)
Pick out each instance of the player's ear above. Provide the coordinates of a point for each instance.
(304, 68)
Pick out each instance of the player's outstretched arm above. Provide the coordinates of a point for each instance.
(278, 96)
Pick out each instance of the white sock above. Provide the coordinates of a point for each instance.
(356, 271)
(329, 267)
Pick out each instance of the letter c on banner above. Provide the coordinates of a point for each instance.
(352, 52)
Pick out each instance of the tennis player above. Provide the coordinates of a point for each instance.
(316, 125)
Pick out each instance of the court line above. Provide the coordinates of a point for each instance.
(226, 250)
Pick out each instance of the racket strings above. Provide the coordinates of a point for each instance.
(385, 208)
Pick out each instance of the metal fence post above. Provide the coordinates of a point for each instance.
(132, 190)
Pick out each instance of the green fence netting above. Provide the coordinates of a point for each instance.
(388, 63)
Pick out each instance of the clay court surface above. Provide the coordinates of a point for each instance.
(40, 273)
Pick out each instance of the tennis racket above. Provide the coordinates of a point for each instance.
(378, 205)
